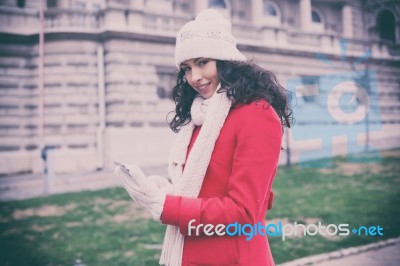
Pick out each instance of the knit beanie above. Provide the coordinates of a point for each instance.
(208, 36)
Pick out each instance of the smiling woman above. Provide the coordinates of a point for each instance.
(229, 117)
(202, 75)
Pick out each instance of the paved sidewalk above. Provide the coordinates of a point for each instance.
(27, 186)
(383, 253)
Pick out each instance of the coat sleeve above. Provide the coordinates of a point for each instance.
(255, 159)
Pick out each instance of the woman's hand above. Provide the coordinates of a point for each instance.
(150, 192)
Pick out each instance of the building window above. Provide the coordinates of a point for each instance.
(271, 14)
(185, 7)
(166, 82)
(316, 16)
(270, 9)
(217, 3)
(317, 21)
(96, 7)
(21, 3)
(386, 26)
(51, 3)
(310, 85)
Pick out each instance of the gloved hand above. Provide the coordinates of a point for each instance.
(150, 192)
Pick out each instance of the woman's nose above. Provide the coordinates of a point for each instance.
(196, 75)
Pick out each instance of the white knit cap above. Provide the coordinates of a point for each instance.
(209, 36)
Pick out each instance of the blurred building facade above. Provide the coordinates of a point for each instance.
(108, 69)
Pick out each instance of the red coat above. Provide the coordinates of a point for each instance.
(236, 188)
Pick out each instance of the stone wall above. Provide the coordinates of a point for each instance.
(107, 75)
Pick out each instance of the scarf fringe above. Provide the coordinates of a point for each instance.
(172, 247)
(188, 183)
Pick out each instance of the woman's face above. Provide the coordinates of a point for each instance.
(201, 73)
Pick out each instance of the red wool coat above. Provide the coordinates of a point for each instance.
(236, 188)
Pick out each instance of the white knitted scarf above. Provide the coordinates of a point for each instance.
(211, 114)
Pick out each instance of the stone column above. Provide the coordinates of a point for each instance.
(114, 19)
(201, 5)
(305, 14)
(347, 21)
(63, 4)
(137, 4)
(257, 11)
(136, 16)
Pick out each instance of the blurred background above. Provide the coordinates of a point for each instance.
(85, 83)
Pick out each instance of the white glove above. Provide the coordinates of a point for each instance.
(150, 192)
(161, 182)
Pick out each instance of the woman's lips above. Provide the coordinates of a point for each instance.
(204, 88)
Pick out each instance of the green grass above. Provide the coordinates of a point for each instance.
(353, 193)
(106, 228)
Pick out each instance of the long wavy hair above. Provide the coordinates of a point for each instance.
(243, 82)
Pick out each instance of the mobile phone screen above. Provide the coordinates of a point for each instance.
(123, 168)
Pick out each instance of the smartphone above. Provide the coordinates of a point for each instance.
(123, 168)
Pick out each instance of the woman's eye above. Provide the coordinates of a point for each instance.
(185, 69)
(203, 62)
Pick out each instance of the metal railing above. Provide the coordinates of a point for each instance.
(304, 38)
(71, 18)
(163, 22)
(20, 21)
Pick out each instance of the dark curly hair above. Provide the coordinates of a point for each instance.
(244, 82)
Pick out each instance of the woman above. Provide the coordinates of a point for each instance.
(229, 115)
